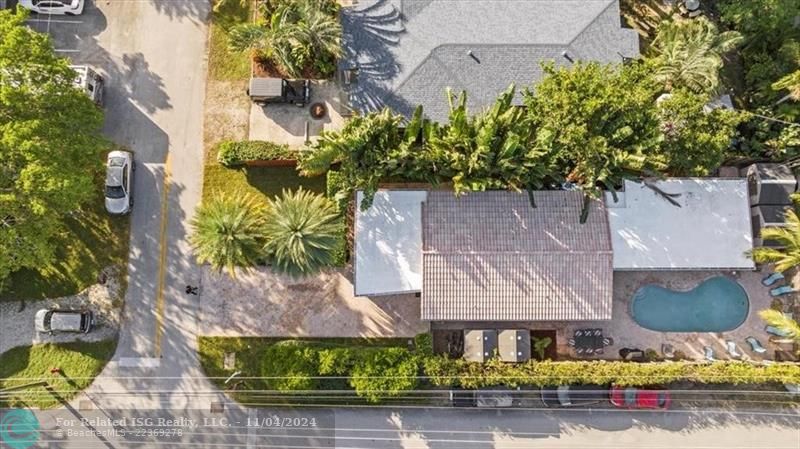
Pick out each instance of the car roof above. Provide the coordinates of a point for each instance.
(65, 321)
(114, 176)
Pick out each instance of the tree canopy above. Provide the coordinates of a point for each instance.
(50, 145)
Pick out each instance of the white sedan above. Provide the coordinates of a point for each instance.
(59, 7)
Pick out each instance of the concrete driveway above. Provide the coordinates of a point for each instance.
(263, 304)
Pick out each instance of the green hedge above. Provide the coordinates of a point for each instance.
(445, 372)
(336, 189)
(374, 372)
(233, 153)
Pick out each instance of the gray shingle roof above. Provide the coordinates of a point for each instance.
(490, 256)
(410, 51)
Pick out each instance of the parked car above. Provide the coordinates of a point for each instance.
(90, 82)
(64, 321)
(58, 7)
(639, 398)
(119, 180)
(279, 91)
(574, 395)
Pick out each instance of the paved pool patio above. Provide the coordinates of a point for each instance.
(628, 334)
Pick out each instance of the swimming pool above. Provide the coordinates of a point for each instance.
(717, 304)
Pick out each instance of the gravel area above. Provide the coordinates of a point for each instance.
(105, 300)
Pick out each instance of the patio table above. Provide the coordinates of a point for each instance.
(588, 342)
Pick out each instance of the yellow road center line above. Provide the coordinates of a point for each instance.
(162, 257)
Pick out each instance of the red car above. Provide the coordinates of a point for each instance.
(637, 398)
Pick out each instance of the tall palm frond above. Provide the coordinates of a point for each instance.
(301, 232)
(787, 254)
(227, 233)
(689, 53)
(783, 322)
(791, 83)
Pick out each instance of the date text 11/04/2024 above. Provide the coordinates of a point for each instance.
(268, 421)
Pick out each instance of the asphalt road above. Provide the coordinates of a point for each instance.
(152, 54)
(411, 428)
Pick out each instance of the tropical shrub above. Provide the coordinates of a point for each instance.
(301, 232)
(384, 373)
(295, 35)
(233, 153)
(695, 141)
(337, 190)
(228, 232)
(787, 254)
(599, 122)
(783, 322)
(689, 54)
(289, 365)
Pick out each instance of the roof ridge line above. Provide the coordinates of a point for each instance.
(591, 22)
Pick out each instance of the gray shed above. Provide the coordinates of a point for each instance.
(479, 345)
(767, 216)
(514, 345)
(770, 184)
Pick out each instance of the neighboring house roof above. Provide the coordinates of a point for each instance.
(408, 52)
(710, 230)
(771, 184)
(388, 243)
(490, 256)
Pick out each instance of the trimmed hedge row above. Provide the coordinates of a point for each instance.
(232, 153)
(445, 372)
(373, 372)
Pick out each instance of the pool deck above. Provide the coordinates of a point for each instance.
(628, 334)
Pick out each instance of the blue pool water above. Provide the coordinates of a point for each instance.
(717, 304)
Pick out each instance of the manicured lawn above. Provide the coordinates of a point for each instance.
(80, 362)
(265, 182)
(92, 241)
(223, 64)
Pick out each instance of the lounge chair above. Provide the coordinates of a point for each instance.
(755, 345)
(776, 331)
(772, 278)
(784, 290)
(730, 345)
(709, 352)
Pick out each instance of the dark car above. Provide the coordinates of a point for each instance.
(639, 398)
(280, 91)
(574, 395)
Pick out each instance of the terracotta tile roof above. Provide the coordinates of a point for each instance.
(490, 256)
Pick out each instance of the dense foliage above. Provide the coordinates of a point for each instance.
(588, 124)
(786, 255)
(770, 60)
(297, 36)
(382, 372)
(232, 153)
(50, 145)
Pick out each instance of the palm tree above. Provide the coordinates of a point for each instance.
(689, 53)
(784, 323)
(295, 34)
(787, 255)
(791, 83)
(228, 233)
(301, 232)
